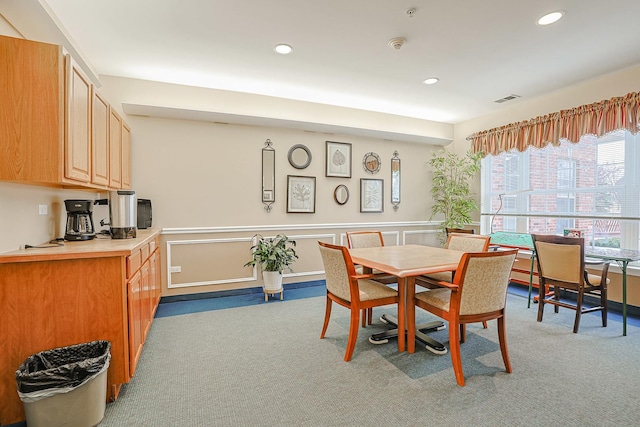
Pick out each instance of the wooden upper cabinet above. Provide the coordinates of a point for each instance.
(115, 149)
(31, 111)
(54, 129)
(78, 123)
(126, 156)
(100, 140)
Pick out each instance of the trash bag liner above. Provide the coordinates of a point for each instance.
(61, 370)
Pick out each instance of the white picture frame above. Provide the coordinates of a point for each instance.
(301, 194)
(371, 195)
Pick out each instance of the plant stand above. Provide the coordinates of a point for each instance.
(272, 284)
(273, 293)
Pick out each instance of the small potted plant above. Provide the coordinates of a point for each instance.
(273, 255)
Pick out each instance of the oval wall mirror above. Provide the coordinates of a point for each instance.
(371, 162)
(341, 194)
(299, 156)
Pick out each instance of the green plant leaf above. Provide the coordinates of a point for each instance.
(450, 189)
(273, 254)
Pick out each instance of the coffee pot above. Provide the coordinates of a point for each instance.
(123, 215)
(79, 220)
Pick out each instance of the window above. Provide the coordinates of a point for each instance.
(593, 185)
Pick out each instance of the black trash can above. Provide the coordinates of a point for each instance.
(66, 386)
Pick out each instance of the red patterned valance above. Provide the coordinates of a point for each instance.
(597, 119)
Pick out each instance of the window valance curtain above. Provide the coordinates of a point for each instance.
(597, 119)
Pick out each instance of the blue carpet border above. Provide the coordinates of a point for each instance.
(195, 303)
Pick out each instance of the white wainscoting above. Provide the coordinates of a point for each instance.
(226, 271)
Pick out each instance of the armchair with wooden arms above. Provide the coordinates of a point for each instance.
(561, 266)
(449, 230)
(369, 239)
(465, 242)
(353, 291)
(459, 242)
(477, 294)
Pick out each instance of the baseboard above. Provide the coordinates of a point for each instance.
(235, 292)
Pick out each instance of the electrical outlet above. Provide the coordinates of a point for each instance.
(175, 269)
(43, 209)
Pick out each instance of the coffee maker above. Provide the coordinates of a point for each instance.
(79, 220)
(122, 213)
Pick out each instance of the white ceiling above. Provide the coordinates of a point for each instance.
(480, 50)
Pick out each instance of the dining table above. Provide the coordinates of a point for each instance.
(406, 262)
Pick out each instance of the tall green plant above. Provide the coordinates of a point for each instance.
(451, 189)
(274, 254)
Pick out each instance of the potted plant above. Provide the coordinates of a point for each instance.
(451, 189)
(273, 255)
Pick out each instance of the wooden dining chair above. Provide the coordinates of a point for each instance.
(561, 266)
(478, 293)
(465, 242)
(449, 230)
(369, 239)
(353, 291)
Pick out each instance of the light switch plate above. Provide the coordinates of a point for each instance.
(43, 209)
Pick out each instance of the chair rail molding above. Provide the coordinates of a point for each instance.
(263, 228)
(170, 244)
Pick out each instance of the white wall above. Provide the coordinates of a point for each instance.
(204, 174)
(20, 221)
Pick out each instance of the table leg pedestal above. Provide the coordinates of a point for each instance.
(421, 331)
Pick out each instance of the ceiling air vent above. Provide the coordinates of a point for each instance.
(506, 98)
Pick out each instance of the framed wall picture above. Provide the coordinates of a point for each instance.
(371, 195)
(338, 160)
(301, 194)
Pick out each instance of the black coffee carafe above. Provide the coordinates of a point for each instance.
(79, 220)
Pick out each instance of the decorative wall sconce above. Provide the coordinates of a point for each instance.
(268, 175)
(395, 181)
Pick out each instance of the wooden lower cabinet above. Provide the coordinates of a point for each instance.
(54, 301)
(142, 302)
(134, 305)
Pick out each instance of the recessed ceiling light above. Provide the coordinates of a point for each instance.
(431, 81)
(283, 49)
(550, 18)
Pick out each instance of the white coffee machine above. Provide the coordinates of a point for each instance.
(123, 214)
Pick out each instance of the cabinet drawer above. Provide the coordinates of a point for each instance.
(133, 263)
(144, 253)
(152, 246)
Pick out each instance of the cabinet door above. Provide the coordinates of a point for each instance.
(126, 156)
(115, 149)
(156, 289)
(135, 326)
(100, 140)
(78, 123)
(145, 306)
(31, 111)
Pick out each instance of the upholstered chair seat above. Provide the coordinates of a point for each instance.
(477, 294)
(351, 290)
(369, 239)
(561, 266)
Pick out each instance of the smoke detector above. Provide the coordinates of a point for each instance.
(397, 42)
